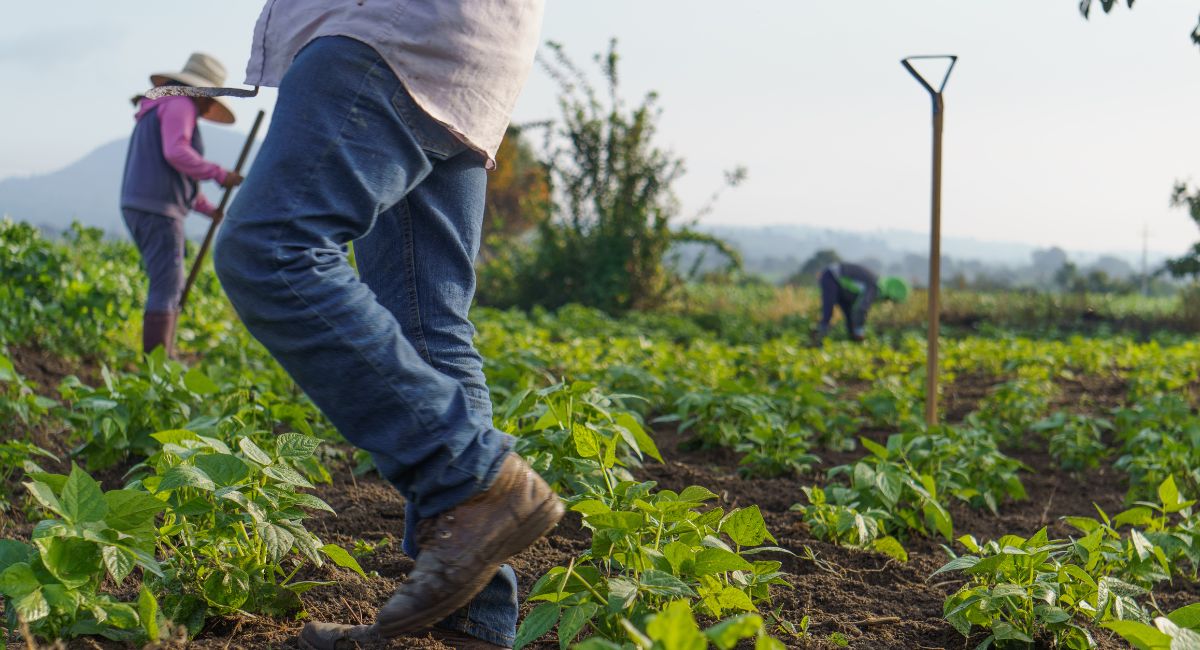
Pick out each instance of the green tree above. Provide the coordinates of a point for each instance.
(1188, 264)
(1085, 7)
(614, 212)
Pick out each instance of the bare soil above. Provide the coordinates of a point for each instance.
(872, 600)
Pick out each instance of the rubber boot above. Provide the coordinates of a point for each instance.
(158, 328)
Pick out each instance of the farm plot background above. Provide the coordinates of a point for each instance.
(726, 482)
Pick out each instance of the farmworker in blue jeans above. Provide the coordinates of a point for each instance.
(853, 288)
(388, 114)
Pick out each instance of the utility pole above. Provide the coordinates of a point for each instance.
(1145, 258)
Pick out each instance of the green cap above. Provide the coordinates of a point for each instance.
(893, 288)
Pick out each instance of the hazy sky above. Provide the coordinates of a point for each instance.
(1058, 130)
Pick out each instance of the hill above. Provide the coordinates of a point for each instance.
(88, 189)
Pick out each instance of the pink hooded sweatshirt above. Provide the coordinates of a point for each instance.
(177, 121)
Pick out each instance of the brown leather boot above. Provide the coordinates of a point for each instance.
(462, 548)
(158, 328)
(333, 636)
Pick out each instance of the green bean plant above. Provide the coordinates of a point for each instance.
(1023, 591)
(53, 584)
(233, 525)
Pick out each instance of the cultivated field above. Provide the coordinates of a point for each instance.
(740, 494)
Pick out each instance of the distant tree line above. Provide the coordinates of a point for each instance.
(1050, 269)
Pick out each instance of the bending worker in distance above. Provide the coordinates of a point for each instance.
(853, 288)
(163, 170)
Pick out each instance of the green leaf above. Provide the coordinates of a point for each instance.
(277, 539)
(726, 634)
(1007, 632)
(1139, 635)
(1050, 614)
(537, 623)
(304, 586)
(223, 469)
(12, 552)
(296, 446)
(340, 557)
(548, 419)
(186, 610)
(732, 598)
(590, 507)
(148, 614)
(228, 587)
(62, 599)
(185, 476)
(935, 513)
(1141, 545)
(889, 545)
(32, 607)
(746, 527)
(82, 498)
(285, 474)
(676, 628)
(661, 583)
(644, 442)
(253, 451)
(621, 594)
(196, 381)
(131, 509)
(75, 562)
(45, 496)
(1136, 516)
(623, 521)
(118, 562)
(718, 560)
(1187, 616)
(696, 494)
(874, 447)
(957, 564)
(572, 622)
(585, 441)
(1008, 590)
(18, 580)
(174, 436)
(311, 502)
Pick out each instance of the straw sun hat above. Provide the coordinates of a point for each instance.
(201, 71)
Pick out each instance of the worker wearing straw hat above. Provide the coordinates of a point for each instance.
(853, 288)
(163, 170)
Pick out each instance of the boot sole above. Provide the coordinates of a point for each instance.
(343, 643)
(533, 528)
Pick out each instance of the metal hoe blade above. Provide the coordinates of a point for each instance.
(192, 91)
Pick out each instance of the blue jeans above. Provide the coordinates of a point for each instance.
(387, 354)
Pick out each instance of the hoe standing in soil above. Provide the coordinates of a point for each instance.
(935, 232)
(212, 227)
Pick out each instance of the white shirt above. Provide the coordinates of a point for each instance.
(463, 61)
